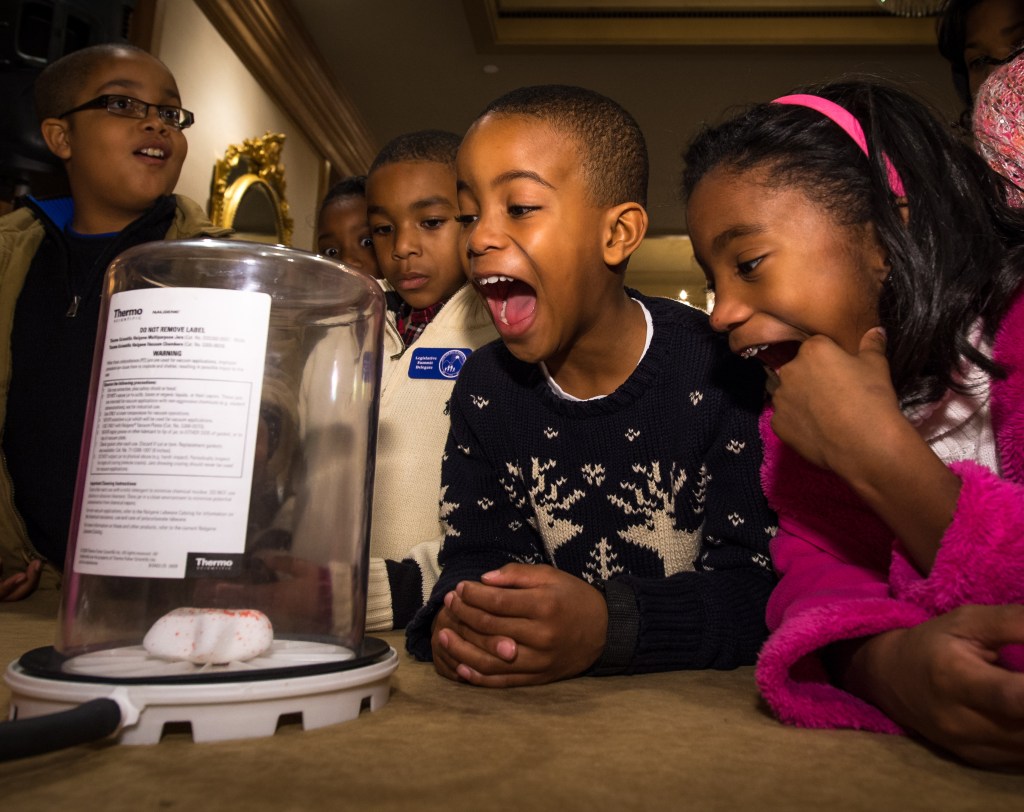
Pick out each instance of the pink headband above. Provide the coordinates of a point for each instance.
(850, 125)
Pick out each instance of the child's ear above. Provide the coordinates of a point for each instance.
(625, 227)
(877, 256)
(55, 134)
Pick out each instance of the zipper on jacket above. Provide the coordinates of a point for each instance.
(389, 326)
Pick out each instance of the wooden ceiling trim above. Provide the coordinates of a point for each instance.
(669, 6)
(270, 40)
(495, 29)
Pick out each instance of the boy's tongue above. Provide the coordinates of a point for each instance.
(510, 302)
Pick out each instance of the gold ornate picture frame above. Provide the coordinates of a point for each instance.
(248, 191)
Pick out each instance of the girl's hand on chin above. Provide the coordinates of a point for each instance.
(832, 406)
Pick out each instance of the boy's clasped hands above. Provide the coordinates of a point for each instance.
(523, 624)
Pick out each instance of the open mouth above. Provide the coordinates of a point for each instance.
(773, 356)
(152, 152)
(510, 301)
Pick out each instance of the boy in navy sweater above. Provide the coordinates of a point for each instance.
(600, 491)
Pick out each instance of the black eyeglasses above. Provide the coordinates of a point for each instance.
(134, 108)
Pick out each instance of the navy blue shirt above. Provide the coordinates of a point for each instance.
(51, 364)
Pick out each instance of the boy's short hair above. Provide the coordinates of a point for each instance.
(352, 186)
(436, 146)
(612, 146)
(57, 87)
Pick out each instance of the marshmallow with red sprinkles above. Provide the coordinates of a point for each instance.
(210, 635)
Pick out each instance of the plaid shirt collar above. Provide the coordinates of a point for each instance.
(412, 323)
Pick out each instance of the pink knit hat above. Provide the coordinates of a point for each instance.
(998, 123)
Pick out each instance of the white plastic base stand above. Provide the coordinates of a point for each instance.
(216, 711)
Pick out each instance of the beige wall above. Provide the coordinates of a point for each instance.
(230, 107)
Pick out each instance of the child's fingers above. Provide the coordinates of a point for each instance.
(473, 658)
(988, 728)
(516, 575)
(510, 680)
(873, 341)
(444, 663)
(22, 584)
(492, 633)
(996, 694)
(11, 588)
(951, 689)
(441, 634)
(992, 625)
(508, 602)
(452, 626)
(492, 600)
(990, 689)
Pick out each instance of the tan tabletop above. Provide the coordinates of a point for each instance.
(686, 740)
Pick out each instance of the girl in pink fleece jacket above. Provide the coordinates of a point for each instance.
(869, 260)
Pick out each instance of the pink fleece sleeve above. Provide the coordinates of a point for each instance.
(832, 555)
(981, 559)
(822, 600)
(829, 546)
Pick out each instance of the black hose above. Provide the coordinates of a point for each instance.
(88, 722)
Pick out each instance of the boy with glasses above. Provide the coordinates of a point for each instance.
(113, 115)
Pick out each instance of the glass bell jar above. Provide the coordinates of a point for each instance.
(222, 508)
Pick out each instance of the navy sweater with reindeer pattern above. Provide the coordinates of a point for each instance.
(651, 493)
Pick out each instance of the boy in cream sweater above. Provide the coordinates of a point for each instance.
(435, 320)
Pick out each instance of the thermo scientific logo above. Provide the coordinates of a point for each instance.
(213, 565)
(131, 312)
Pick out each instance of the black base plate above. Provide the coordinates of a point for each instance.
(47, 662)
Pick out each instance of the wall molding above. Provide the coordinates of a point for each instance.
(269, 38)
(502, 26)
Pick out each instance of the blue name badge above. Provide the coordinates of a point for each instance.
(438, 363)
